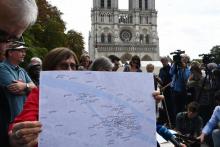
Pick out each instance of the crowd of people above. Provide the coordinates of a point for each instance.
(191, 94)
(190, 98)
(191, 91)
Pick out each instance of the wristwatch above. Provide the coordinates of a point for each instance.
(27, 86)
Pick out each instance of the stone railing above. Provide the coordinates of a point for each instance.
(126, 48)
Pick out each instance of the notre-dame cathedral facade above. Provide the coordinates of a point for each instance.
(124, 32)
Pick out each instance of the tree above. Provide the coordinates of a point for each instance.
(49, 32)
(75, 42)
(216, 53)
(51, 27)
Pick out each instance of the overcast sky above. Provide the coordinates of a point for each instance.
(190, 25)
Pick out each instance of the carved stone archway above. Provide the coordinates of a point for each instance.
(146, 58)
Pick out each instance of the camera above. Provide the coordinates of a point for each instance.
(177, 57)
(207, 58)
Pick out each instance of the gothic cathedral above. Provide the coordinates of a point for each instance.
(124, 32)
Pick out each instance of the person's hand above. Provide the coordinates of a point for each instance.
(17, 87)
(201, 137)
(25, 134)
(183, 145)
(157, 96)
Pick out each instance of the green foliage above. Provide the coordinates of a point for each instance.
(75, 42)
(53, 36)
(49, 32)
(216, 52)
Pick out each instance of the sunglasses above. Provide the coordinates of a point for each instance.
(6, 38)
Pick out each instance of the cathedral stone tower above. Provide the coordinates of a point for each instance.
(124, 32)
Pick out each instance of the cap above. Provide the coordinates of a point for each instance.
(16, 47)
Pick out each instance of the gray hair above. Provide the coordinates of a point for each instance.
(101, 64)
(36, 60)
(22, 12)
(212, 66)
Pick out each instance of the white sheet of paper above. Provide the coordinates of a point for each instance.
(97, 109)
(160, 139)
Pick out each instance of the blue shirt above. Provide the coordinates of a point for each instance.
(8, 74)
(213, 122)
(179, 78)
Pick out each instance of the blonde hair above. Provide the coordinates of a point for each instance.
(150, 67)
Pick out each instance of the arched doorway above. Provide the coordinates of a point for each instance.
(146, 58)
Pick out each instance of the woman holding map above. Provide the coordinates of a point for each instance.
(26, 128)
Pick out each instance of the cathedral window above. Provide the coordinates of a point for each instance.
(141, 38)
(130, 19)
(109, 4)
(102, 17)
(140, 4)
(147, 39)
(103, 38)
(146, 4)
(125, 35)
(110, 18)
(123, 19)
(102, 3)
(146, 20)
(109, 38)
(140, 19)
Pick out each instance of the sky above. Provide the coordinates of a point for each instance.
(190, 25)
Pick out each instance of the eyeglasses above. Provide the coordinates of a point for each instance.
(66, 66)
(5, 38)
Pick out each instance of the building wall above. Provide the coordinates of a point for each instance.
(118, 32)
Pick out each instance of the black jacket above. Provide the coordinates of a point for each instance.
(4, 118)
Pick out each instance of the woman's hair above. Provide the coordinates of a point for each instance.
(55, 56)
(83, 57)
(101, 64)
(195, 68)
(136, 59)
(18, 12)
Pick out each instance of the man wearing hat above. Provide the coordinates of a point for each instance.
(14, 78)
(15, 17)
